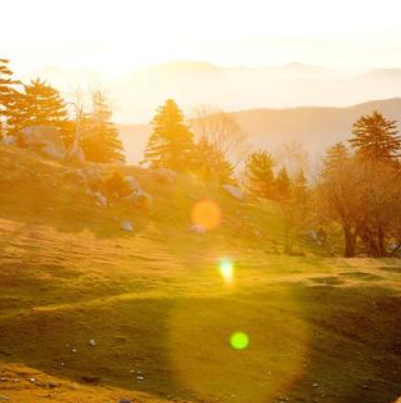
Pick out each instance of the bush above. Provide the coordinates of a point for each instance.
(116, 186)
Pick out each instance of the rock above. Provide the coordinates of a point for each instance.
(124, 401)
(132, 184)
(92, 342)
(32, 380)
(44, 139)
(101, 200)
(4, 397)
(52, 385)
(234, 191)
(197, 229)
(140, 378)
(127, 226)
(73, 351)
(140, 199)
(9, 141)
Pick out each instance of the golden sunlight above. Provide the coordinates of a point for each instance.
(206, 214)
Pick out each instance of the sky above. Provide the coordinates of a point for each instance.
(119, 36)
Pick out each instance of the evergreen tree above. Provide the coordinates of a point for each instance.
(7, 92)
(336, 156)
(376, 139)
(100, 141)
(211, 165)
(39, 105)
(283, 184)
(171, 143)
(260, 175)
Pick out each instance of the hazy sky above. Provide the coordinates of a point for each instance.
(117, 36)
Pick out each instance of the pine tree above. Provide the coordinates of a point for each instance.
(7, 92)
(38, 105)
(336, 156)
(283, 184)
(171, 143)
(211, 165)
(100, 136)
(376, 139)
(260, 175)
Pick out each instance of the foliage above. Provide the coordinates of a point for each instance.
(283, 184)
(100, 141)
(259, 175)
(115, 185)
(7, 92)
(376, 139)
(211, 165)
(38, 105)
(171, 143)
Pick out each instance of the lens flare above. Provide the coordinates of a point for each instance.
(239, 341)
(206, 214)
(226, 268)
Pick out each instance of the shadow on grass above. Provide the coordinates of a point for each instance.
(307, 344)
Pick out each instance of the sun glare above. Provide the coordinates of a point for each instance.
(206, 214)
(226, 268)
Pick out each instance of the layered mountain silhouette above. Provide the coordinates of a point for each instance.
(315, 127)
(136, 95)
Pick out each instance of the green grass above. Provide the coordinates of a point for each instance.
(320, 329)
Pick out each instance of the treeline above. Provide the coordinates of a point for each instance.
(37, 103)
(210, 145)
(358, 187)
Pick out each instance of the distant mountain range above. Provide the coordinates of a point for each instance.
(315, 127)
(135, 96)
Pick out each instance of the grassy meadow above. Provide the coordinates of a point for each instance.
(92, 313)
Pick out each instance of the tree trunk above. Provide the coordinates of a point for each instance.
(382, 246)
(350, 239)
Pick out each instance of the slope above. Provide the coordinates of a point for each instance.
(162, 303)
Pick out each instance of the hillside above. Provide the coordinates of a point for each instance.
(162, 303)
(317, 127)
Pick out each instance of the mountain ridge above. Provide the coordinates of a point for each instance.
(270, 128)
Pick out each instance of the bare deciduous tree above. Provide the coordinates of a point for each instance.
(222, 131)
(294, 157)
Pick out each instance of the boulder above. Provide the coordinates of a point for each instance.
(9, 141)
(94, 176)
(127, 226)
(43, 139)
(101, 200)
(132, 184)
(234, 191)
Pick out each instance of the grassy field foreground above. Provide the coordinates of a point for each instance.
(90, 313)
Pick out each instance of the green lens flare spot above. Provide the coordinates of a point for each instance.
(239, 341)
